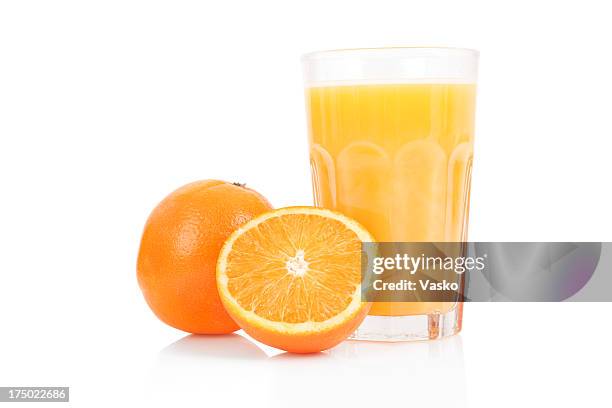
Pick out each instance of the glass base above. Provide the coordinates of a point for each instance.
(410, 328)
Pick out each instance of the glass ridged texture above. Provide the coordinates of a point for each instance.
(391, 136)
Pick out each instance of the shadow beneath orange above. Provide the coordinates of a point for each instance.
(222, 346)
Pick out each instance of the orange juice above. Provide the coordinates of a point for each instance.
(398, 158)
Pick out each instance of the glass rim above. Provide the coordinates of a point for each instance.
(352, 66)
(416, 51)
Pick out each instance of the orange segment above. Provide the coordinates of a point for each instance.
(291, 277)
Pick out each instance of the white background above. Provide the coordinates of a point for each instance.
(107, 106)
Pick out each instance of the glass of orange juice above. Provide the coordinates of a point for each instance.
(391, 134)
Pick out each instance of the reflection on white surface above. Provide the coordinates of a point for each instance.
(200, 369)
(372, 374)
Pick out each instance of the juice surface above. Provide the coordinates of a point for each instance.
(397, 158)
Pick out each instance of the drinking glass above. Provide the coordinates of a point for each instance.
(391, 134)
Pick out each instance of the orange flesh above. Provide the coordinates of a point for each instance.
(295, 268)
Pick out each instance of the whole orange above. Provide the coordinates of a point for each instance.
(179, 250)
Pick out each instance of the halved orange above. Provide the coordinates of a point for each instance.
(291, 278)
